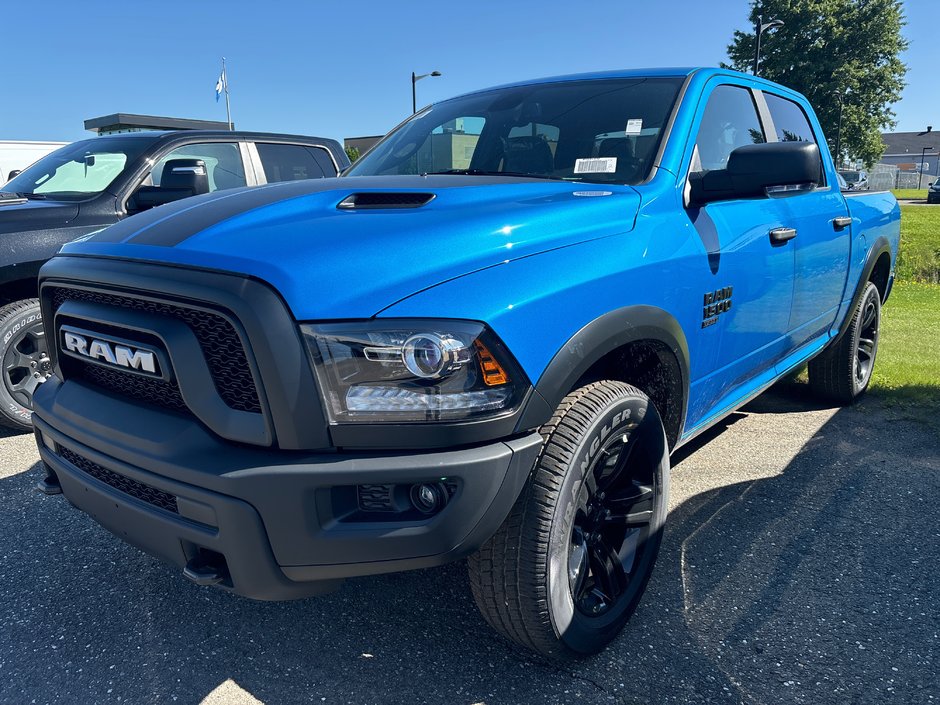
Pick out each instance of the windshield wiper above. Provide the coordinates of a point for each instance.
(484, 172)
(33, 196)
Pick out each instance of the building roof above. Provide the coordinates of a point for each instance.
(110, 123)
(903, 143)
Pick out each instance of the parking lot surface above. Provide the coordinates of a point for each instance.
(799, 566)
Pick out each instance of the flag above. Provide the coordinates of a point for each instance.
(220, 85)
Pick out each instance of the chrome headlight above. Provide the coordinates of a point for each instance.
(404, 371)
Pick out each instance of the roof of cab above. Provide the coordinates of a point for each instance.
(616, 73)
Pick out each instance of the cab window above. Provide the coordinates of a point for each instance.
(223, 164)
(730, 121)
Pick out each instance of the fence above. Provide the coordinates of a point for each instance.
(887, 176)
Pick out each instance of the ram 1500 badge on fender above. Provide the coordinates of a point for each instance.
(483, 341)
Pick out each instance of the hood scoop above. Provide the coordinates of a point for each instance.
(371, 200)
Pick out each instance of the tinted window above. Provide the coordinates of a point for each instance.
(604, 130)
(789, 120)
(730, 121)
(223, 164)
(293, 162)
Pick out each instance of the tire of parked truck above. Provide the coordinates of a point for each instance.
(24, 362)
(843, 372)
(567, 568)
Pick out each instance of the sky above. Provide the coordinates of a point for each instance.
(343, 69)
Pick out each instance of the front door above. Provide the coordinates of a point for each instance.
(746, 278)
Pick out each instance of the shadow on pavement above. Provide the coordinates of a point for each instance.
(809, 580)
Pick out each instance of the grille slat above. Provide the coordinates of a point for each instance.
(138, 490)
(220, 343)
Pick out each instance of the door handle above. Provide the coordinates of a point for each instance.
(778, 235)
(840, 224)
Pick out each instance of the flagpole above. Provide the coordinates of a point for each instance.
(228, 107)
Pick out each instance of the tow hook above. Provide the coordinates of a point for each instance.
(50, 483)
(203, 571)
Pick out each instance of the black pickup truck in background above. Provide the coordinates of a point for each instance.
(91, 184)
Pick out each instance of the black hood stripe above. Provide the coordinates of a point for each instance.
(161, 227)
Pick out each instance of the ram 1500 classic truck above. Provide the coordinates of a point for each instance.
(483, 340)
(93, 183)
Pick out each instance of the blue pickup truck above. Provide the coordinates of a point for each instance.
(484, 340)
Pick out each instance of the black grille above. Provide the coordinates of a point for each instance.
(217, 337)
(138, 490)
(147, 389)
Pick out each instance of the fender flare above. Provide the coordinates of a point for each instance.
(595, 340)
(879, 247)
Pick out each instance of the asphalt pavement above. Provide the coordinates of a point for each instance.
(799, 565)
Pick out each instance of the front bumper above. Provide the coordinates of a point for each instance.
(277, 521)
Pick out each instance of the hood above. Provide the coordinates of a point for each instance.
(333, 262)
(20, 216)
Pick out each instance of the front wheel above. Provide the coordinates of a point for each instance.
(568, 566)
(24, 362)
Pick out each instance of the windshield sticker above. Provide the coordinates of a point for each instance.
(601, 165)
(634, 127)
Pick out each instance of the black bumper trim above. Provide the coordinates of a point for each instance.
(268, 512)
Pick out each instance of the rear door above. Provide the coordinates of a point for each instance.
(293, 162)
(821, 245)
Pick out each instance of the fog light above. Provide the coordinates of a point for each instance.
(47, 441)
(429, 498)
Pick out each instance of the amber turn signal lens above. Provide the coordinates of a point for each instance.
(493, 373)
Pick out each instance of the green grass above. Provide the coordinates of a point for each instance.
(920, 245)
(907, 371)
(912, 194)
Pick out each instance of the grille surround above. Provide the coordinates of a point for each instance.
(218, 339)
(133, 488)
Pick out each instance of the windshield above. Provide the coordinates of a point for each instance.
(850, 175)
(602, 130)
(78, 171)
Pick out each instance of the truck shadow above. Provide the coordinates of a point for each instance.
(803, 573)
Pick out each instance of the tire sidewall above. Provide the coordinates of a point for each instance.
(871, 294)
(11, 328)
(577, 631)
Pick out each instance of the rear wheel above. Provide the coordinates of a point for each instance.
(24, 362)
(570, 563)
(843, 372)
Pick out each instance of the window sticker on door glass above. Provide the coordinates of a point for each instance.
(600, 165)
(634, 127)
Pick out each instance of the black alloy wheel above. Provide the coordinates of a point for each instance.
(611, 528)
(867, 340)
(843, 371)
(569, 565)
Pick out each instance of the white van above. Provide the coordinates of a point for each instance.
(16, 155)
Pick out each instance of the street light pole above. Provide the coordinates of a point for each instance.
(838, 159)
(414, 95)
(920, 175)
(759, 28)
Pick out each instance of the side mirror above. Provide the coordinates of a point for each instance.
(754, 168)
(188, 174)
(181, 178)
(14, 173)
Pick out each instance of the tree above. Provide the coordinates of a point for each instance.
(352, 153)
(829, 48)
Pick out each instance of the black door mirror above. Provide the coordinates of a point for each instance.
(754, 168)
(181, 178)
(14, 173)
(186, 174)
